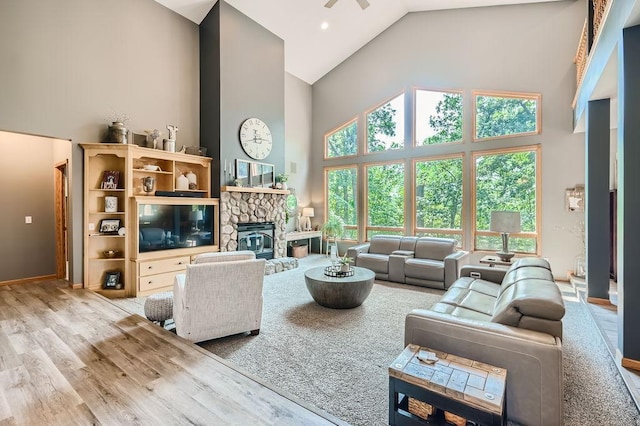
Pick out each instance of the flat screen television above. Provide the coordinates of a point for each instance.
(169, 226)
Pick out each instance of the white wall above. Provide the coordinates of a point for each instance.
(523, 48)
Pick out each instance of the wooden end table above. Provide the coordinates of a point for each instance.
(494, 261)
(460, 389)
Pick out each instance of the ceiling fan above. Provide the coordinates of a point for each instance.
(363, 3)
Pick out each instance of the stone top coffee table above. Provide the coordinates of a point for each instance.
(339, 292)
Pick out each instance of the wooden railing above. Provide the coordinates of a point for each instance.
(589, 33)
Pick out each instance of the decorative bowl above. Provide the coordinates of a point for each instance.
(110, 254)
(150, 167)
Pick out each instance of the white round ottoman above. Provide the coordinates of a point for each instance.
(159, 307)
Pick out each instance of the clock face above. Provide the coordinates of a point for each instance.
(255, 138)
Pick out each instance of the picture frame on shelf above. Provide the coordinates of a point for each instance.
(109, 226)
(242, 173)
(111, 279)
(110, 179)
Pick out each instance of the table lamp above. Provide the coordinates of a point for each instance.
(308, 213)
(195, 216)
(505, 222)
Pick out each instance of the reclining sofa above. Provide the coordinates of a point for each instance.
(510, 318)
(424, 261)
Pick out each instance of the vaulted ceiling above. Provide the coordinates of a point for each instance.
(310, 51)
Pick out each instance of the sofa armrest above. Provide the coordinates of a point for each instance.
(354, 251)
(452, 264)
(487, 273)
(396, 265)
(533, 360)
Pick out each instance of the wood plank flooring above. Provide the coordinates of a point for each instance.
(72, 357)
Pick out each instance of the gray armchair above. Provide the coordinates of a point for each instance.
(219, 295)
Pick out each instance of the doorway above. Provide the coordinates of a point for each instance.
(61, 207)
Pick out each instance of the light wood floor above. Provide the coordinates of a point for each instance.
(72, 357)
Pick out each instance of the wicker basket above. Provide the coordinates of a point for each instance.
(454, 419)
(419, 408)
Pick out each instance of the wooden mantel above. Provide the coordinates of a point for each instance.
(230, 188)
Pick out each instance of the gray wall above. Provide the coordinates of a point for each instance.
(68, 66)
(243, 63)
(527, 48)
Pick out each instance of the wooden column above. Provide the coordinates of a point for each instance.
(628, 199)
(597, 200)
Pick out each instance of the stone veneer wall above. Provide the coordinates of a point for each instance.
(243, 207)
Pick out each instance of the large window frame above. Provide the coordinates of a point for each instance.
(438, 232)
(537, 97)
(400, 121)
(349, 228)
(339, 129)
(415, 116)
(376, 228)
(537, 235)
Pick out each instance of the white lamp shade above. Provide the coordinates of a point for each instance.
(195, 215)
(505, 221)
(308, 212)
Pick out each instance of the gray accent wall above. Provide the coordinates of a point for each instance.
(69, 65)
(242, 76)
(522, 48)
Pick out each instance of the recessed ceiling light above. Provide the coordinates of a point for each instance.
(324, 25)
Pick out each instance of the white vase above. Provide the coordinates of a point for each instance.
(193, 180)
(110, 204)
(182, 183)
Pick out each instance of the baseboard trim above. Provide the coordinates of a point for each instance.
(28, 280)
(76, 286)
(598, 301)
(630, 363)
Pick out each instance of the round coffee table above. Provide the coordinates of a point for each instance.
(339, 293)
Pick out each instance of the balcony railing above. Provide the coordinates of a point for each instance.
(589, 33)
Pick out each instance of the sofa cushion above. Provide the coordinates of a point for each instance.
(457, 311)
(408, 243)
(424, 269)
(516, 274)
(434, 248)
(378, 263)
(477, 284)
(384, 244)
(469, 299)
(529, 297)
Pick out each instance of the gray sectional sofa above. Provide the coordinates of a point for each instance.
(424, 261)
(510, 318)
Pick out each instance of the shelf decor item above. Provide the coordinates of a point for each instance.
(118, 132)
(148, 184)
(109, 226)
(111, 279)
(110, 179)
(110, 204)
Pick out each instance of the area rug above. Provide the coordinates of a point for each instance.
(337, 360)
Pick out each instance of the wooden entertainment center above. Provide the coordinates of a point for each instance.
(118, 212)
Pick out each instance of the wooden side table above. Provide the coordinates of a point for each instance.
(456, 388)
(494, 261)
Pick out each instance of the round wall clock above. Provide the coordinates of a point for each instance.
(255, 138)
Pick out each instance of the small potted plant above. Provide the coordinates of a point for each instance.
(281, 181)
(345, 263)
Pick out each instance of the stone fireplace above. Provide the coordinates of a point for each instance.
(240, 205)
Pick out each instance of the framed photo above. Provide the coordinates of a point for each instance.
(109, 226)
(110, 179)
(111, 279)
(242, 172)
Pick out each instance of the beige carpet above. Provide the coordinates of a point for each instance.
(338, 359)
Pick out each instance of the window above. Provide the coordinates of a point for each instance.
(507, 180)
(438, 198)
(385, 126)
(385, 199)
(438, 117)
(341, 194)
(503, 115)
(343, 141)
